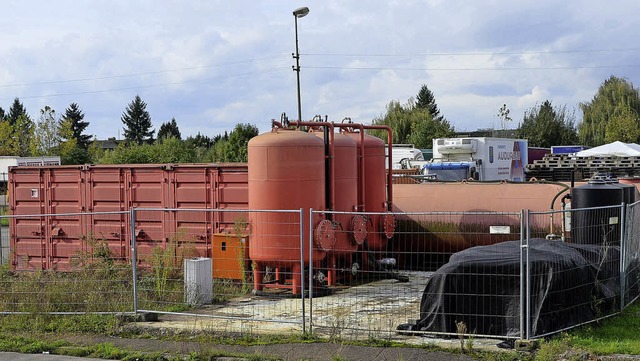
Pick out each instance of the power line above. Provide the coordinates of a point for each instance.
(524, 52)
(474, 69)
(131, 75)
(273, 70)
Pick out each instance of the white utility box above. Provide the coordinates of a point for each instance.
(198, 282)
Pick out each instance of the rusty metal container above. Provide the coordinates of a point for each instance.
(372, 190)
(52, 242)
(286, 172)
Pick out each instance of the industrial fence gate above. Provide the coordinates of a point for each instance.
(338, 274)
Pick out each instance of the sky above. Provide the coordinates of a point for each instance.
(214, 64)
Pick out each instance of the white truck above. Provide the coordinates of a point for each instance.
(484, 159)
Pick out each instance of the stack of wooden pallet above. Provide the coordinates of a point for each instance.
(560, 167)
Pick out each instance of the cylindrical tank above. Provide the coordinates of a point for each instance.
(628, 191)
(437, 219)
(634, 181)
(286, 172)
(346, 191)
(595, 226)
(374, 193)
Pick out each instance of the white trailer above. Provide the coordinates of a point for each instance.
(11, 161)
(477, 158)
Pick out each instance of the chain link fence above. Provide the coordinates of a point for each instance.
(72, 263)
(338, 274)
(630, 270)
(578, 281)
(187, 268)
(399, 285)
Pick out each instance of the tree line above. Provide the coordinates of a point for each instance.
(65, 135)
(613, 114)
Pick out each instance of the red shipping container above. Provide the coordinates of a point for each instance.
(60, 210)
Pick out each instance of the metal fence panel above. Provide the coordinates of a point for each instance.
(56, 266)
(631, 255)
(578, 281)
(364, 292)
(263, 289)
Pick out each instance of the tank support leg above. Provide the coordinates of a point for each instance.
(331, 271)
(257, 276)
(297, 279)
(278, 275)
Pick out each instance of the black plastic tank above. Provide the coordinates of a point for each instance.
(628, 190)
(596, 226)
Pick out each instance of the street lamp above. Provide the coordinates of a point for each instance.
(298, 13)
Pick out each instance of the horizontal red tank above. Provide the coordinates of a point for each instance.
(451, 231)
(52, 242)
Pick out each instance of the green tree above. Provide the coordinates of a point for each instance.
(23, 131)
(238, 140)
(22, 127)
(616, 97)
(623, 127)
(16, 110)
(137, 122)
(169, 129)
(411, 124)
(45, 139)
(170, 150)
(199, 141)
(2, 114)
(69, 150)
(545, 126)
(74, 115)
(426, 100)
(8, 144)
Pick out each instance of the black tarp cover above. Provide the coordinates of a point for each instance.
(480, 286)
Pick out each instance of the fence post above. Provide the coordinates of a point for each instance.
(528, 278)
(522, 274)
(134, 259)
(310, 271)
(301, 218)
(623, 236)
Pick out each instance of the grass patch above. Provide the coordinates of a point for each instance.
(4, 211)
(44, 323)
(32, 345)
(615, 335)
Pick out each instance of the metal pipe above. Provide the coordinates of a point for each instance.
(390, 161)
(331, 176)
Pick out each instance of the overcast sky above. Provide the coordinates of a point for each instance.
(213, 64)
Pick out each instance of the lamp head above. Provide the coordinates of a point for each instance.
(301, 12)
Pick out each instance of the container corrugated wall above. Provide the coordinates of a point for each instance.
(52, 242)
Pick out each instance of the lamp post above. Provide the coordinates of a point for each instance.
(298, 13)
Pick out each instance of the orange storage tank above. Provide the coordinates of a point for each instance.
(374, 194)
(345, 193)
(286, 172)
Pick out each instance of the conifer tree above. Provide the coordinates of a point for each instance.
(137, 122)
